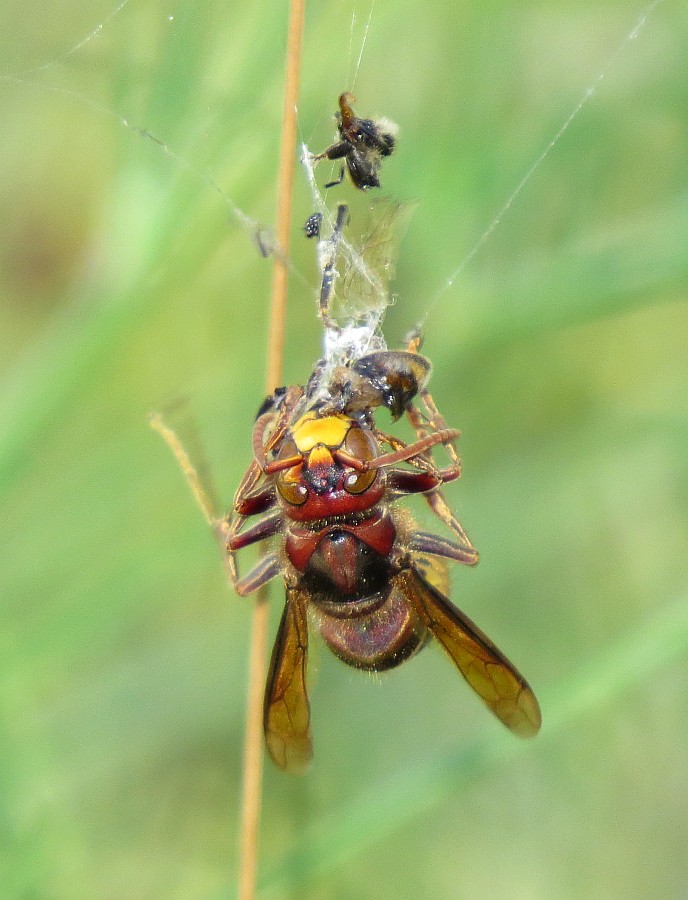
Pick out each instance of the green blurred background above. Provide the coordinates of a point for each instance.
(128, 286)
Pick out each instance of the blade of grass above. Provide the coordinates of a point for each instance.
(253, 747)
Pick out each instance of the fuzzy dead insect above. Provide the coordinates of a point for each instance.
(325, 483)
(363, 145)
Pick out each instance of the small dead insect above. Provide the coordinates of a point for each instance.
(312, 225)
(324, 481)
(363, 144)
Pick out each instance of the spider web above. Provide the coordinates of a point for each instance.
(363, 268)
(366, 268)
(587, 95)
(362, 294)
(33, 77)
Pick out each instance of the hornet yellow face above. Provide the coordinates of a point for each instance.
(310, 431)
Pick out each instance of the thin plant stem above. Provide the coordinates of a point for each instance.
(287, 164)
(199, 490)
(253, 747)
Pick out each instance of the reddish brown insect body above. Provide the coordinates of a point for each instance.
(324, 479)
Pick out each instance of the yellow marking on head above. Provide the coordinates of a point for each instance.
(320, 456)
(329, 430)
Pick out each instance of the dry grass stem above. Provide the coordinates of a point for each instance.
(253, 748)
(188, 469)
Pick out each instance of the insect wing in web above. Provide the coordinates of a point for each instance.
(501, 687)
(369, 270)
(286, 714)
